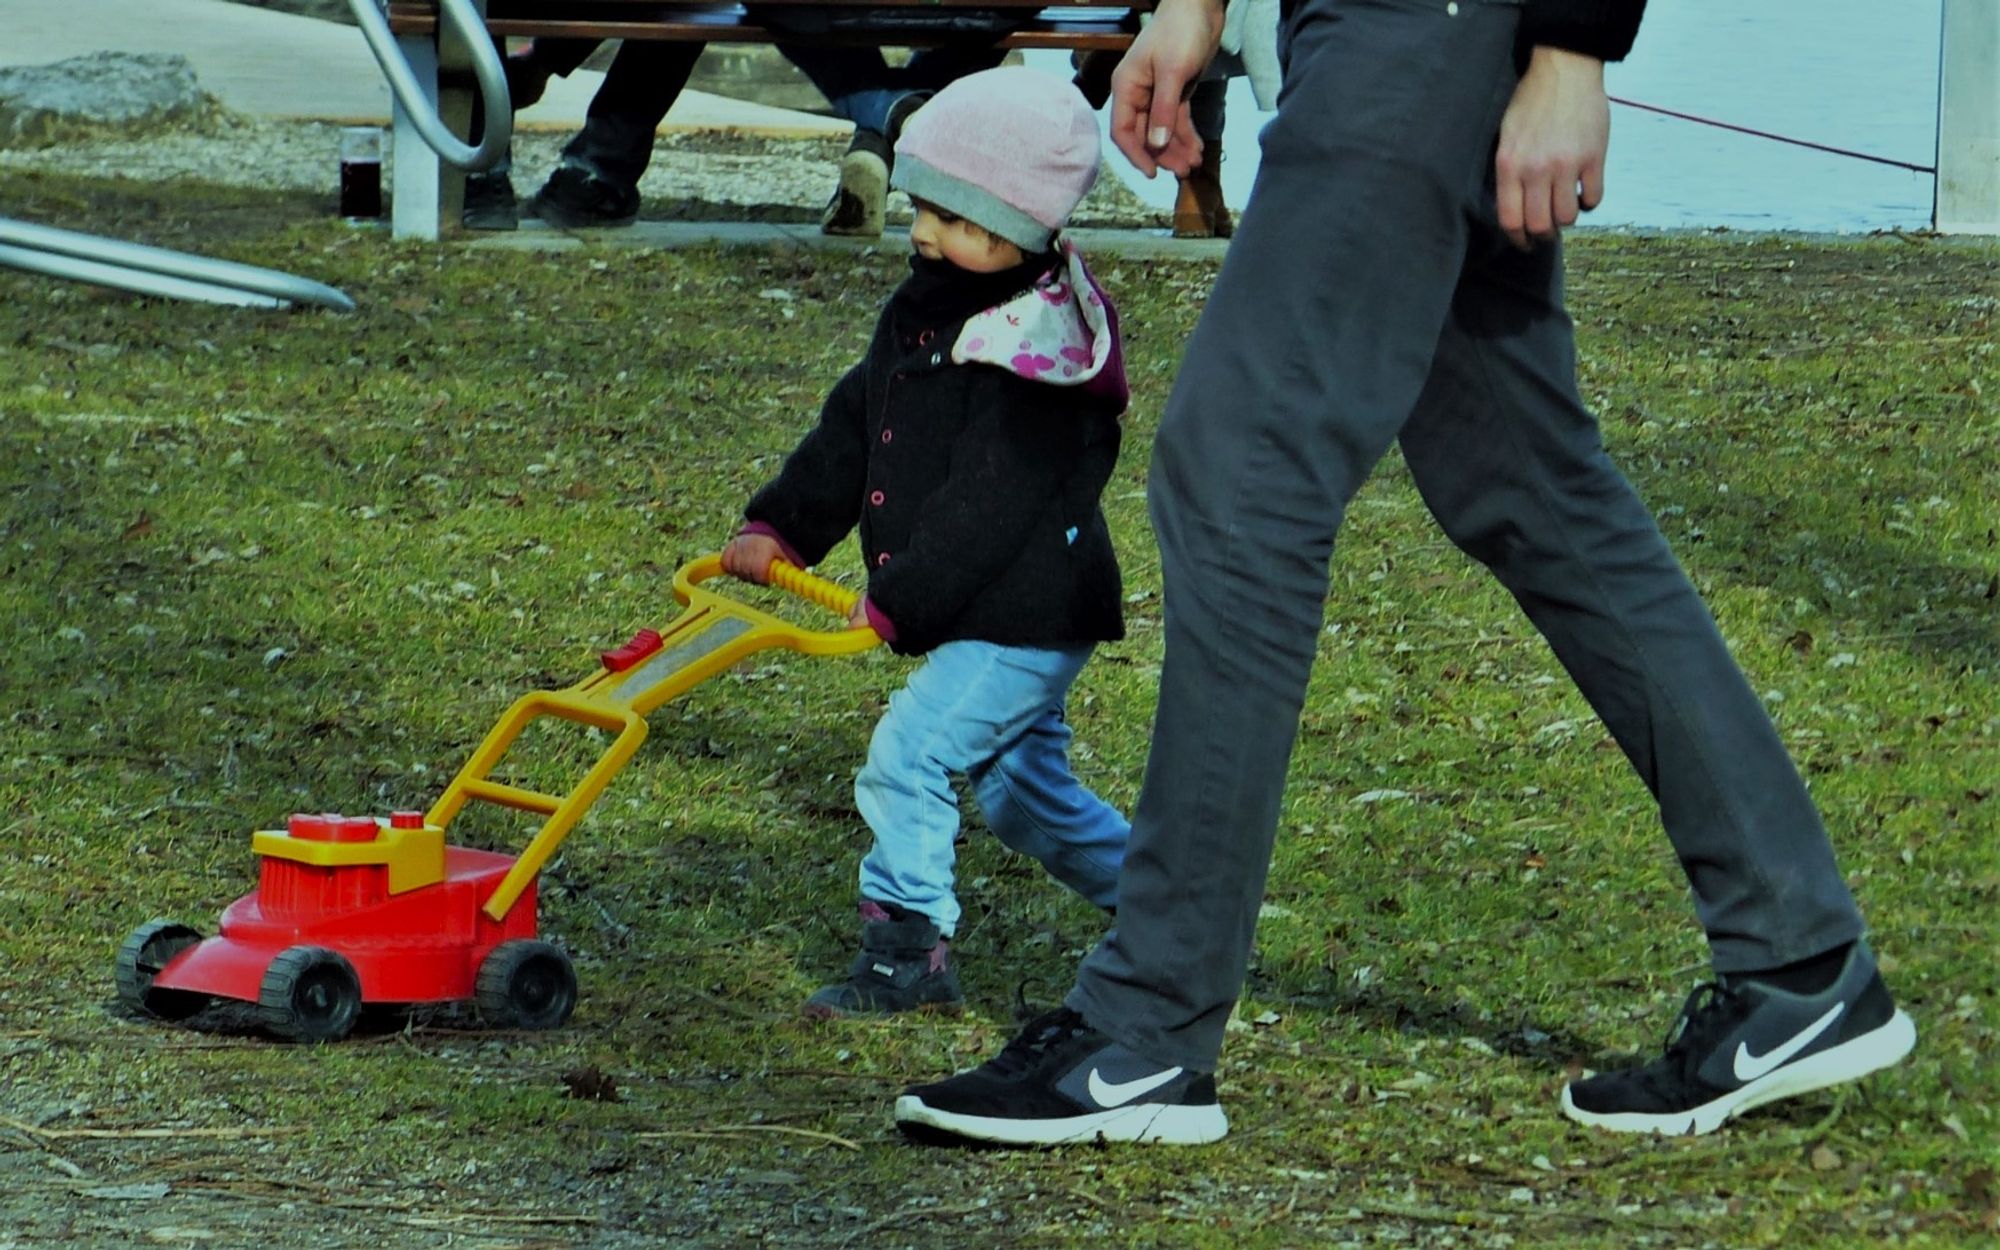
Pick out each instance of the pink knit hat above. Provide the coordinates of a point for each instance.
(1011, 149)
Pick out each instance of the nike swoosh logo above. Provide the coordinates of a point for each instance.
(1749, 1067)
(1118, 1093)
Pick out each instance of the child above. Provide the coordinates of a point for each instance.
(970, 444)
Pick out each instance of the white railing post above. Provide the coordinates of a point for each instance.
(1968, 146)
(416, 185)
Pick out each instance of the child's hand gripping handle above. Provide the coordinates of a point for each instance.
(794, 581)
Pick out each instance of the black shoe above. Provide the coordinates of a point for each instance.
(490, 203)
(860, 202)
(574, 198)
(1740, 1043)
(1062, 1081)
(904, 965)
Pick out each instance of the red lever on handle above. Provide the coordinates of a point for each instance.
(643, 644)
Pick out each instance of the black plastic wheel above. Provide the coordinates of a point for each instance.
(152, 947)
(526, 984)
(309, 994)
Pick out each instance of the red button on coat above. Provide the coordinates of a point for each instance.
(882, 559)
(925, 337)
(885, 436)
(876, 498)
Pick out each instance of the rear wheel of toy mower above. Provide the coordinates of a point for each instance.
(526, 984)
(151, 948)
(309, 994)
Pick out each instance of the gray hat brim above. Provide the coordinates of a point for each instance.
(976, 204)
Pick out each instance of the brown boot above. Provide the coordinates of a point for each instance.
(1199, 212)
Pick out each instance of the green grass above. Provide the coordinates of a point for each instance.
(253, 563)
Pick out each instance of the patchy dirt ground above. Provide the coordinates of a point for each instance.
(186, 487)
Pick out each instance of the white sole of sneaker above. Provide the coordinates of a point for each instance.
(1174, 1125)
(864, 185)
(1849, 1061)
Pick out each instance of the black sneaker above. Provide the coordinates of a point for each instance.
(859, 203)
(575, 198)
(904, 965)
(1740, 1043)
(1062, 1081)
(490, 203)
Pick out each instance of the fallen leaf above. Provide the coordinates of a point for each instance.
(591, 1084)
(1824, 1159)
(138, 528)
(1981, 1189)
(1376, 796)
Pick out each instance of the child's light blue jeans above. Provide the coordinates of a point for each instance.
(994, 714)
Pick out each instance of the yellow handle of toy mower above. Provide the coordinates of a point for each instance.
(713, 635)
(795, 581)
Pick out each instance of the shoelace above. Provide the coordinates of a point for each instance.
(1710, 1011)
(1041, 1034)
(1024, 1011)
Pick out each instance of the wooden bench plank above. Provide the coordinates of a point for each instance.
(722, 29)
(1052, 24)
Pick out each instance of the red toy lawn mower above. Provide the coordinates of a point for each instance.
(354, 910)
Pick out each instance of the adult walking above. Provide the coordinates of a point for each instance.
(1397, 278)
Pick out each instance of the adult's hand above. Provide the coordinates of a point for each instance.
(1552, 143)
(1149, 112)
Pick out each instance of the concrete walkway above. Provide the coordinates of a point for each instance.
(533, 236)
(263, 63)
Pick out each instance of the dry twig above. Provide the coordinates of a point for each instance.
(724, 1130)
(55, 1134)
(919, 1213)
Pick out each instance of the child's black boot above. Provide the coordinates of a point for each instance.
(904, 964)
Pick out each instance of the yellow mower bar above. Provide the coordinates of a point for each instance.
(712, 635)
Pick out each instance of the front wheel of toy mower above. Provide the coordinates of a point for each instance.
(151, 948)
(309, 994)
(526, 984)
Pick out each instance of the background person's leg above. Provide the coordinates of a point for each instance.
(857, 82)
(1199, 212)
(865, 89)
(932, 69)
(597, 183)
(490, 202)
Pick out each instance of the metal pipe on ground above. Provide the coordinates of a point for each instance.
(157, 270)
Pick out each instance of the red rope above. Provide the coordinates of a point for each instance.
(1765, 134)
